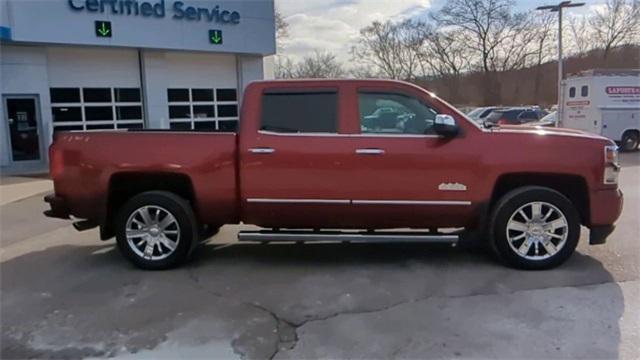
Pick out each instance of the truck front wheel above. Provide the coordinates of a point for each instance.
(156, 230)
(534, 228)
(630, 140)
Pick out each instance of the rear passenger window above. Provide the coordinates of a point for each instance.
(584, 91)
(304, 112)
(572, 92)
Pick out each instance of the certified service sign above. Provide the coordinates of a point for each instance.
(177, 10)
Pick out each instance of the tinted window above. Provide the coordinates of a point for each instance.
(584, 91)
(227, 110)
(226, 95)
(65, 95)
(176, 95)
(486, 112)
(180, 126)
(299, 112)
(97, 113)
(528, 115)
(202, 94)
(572, 92)
(228, 125)
(127, 95)
(204, 111)
(96, 94)
(386, 113)
(179, 112)
(204, 125)
(128, 112)
(61, 114)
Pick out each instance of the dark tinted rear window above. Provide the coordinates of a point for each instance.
(300, 112)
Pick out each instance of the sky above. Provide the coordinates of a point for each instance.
(334, 25)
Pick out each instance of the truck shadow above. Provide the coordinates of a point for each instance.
(297, 284)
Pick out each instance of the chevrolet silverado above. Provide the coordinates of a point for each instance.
(308, 164)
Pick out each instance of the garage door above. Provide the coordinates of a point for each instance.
(94, 89)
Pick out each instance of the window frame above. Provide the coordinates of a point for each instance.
(83, 124)
(572, 92)
(192, 120)
(400, 92)
(584, 91)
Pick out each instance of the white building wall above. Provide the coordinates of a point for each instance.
(23, 71)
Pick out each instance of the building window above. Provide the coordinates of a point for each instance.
(203, 109)
(584, 91)
(572, 92)
(96, 108)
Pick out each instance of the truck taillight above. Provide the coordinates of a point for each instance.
(56, 162)
(611, 165)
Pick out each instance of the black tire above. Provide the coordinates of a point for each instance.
(184, 216)
(630, 141)
(514, 200)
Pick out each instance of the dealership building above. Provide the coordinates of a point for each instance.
(124, 64)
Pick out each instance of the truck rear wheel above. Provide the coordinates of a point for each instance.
(534, 228)
(156, 230)
(630, 141)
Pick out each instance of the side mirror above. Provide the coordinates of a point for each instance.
(445, 125)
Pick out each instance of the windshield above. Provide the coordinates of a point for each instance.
(551, 117)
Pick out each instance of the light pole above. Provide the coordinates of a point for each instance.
(558, 8)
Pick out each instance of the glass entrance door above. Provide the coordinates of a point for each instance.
(22, 118)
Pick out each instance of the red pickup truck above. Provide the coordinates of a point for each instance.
(341, 160)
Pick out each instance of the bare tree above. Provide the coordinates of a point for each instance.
(545, 34)
(486, 23)
(284, 67)
(282, 29)
(617, 24)
(391, 49)
(581, 40)
(319, 65)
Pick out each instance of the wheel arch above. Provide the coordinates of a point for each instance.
(124, 185)
(574, 187)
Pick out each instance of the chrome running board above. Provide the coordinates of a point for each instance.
(340, 236)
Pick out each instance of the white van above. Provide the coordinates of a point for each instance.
(605, 102)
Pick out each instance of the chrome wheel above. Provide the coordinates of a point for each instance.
(537, 230)
(152, 232)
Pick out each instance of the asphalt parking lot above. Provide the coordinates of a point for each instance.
(65, 294)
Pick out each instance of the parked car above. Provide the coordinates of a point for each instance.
(386, 118)
(548, 120)
(604, 102)
(479, 114)
(295, 170)
(514, 116)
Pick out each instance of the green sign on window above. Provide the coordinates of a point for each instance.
(103, 29)
(215, 37)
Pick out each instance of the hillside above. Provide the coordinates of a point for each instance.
(519, 86)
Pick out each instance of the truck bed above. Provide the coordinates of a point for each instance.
(206, 160)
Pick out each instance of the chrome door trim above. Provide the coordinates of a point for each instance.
(297, 201)
(369, 151)
(358, 202)
(410, 202)
(357, 135)
(262, 150)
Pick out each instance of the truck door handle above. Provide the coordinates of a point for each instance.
(262, 150)
(369, 151)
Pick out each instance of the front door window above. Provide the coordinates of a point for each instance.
(23, 129)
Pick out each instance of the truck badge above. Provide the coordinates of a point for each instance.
(452, 187)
